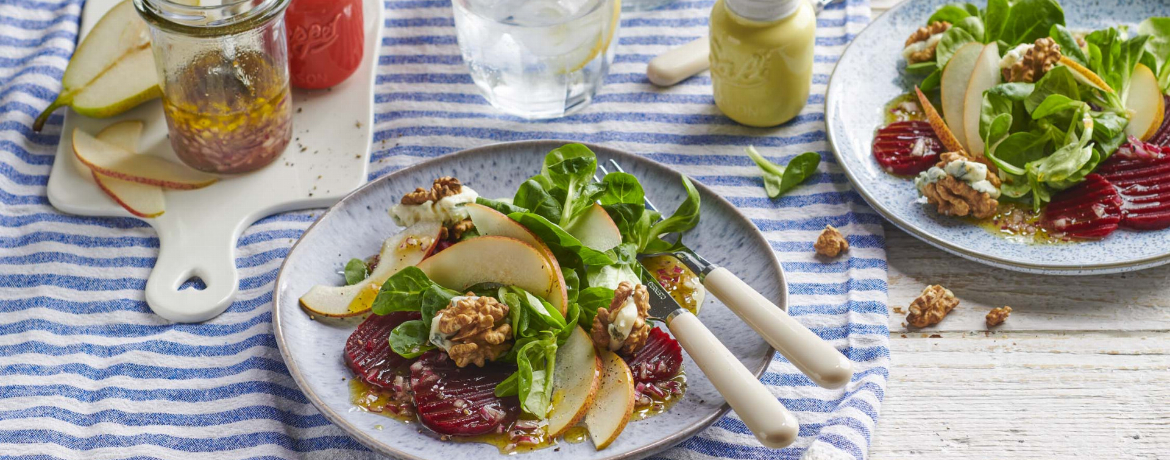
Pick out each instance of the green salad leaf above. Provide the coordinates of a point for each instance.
(780, 179)
(952, 39)
(591, 299)
(1023, 21)
(684, 218)
(1068, 44)
(567, 248)
(402, 291)
(953, 13)
(1158, 47)
(356, 270)
(411, 339)
(504, 207)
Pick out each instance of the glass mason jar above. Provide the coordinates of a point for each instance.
(223, 70)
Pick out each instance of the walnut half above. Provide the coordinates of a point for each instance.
(997, 316)
(1038, 60)
(478, 328)
(931, 306)
(601, 331)
(924, 34)
(441, 188)
(831, 243)
(955, 197)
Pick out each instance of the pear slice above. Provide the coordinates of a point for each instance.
(1085, 76)
(1145, 104)
(984, 76)
(112, 70)
(938, 124)
(115, 162)
(575, 382)
(404, 249)
(494, 259)
(956, 77)
(614, 403)
(139, 199)
(595, 229)
(489, 222)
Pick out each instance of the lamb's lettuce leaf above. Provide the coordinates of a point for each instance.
(1023, 21)
(1158, 46)
(356, 270)
(1068, 44)
(411, 339)
(951, 40)
(568, 250)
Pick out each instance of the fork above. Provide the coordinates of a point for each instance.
(803, 348)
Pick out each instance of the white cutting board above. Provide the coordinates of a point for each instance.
(328, 157)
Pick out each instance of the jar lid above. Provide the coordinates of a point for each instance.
(763, 10)
(226, 18)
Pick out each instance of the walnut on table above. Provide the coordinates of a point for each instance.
(1038, 60)
(931, 306)
(955, 197)
(831, 243)
(605, 317)
(924, 34)
(480, 327)
(441, 188)
(997, 316)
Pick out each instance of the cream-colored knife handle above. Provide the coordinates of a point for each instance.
(814, 357)
(772, 424)
(680, 63)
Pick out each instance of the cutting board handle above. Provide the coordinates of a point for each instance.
(203, 248)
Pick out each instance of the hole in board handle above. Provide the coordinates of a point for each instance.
(194, 282)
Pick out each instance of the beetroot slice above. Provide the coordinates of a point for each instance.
(894, 147)
(658, 360)
(1162, 136)
(1090, 210)
(460, 401)
(368, 353)
(1144, 186)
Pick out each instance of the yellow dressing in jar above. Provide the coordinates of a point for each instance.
(761, 59)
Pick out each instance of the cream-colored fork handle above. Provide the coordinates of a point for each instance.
(814, 357)
(679, 63)
(772, 424)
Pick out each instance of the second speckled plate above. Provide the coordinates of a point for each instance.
(871, 73)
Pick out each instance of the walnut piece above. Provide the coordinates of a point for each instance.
(461, 227)
(997, 316)
(1037, 61)
(924, 34)
(955, 197)
(480, 329)
(442, 187)
(831, 243)
(931, 306)
(606, 316)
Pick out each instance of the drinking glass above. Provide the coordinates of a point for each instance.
(537, 58)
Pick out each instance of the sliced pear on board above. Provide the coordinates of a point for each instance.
(938, 124)
(984, 76)
(490, 222)
(1085, 76)
(139, 199)
(953, 86)
(595, 229)
(111, 71)
(115, 162)
(614, 403)
(575, 382)
(1145, 104)
(406, 248)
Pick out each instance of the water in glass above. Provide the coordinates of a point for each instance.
(537, 58)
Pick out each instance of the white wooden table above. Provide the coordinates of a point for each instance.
(1081, 369)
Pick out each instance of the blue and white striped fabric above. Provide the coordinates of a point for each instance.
(87, 372)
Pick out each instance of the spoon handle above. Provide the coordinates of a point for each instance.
(760, 411)
(814, 357)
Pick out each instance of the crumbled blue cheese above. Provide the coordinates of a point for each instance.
(437, 337)
(1014, 55)
(447, 210)
(920, 46)
(972, 172)
(621, 326)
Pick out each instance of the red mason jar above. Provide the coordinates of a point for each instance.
(325, 41)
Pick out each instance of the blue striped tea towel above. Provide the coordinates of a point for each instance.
(86, 371)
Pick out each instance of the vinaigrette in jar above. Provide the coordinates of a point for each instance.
(229, 114)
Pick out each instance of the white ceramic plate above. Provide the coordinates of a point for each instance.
(356, 226)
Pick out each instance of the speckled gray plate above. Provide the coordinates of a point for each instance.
(871, 72)
(356, 226)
